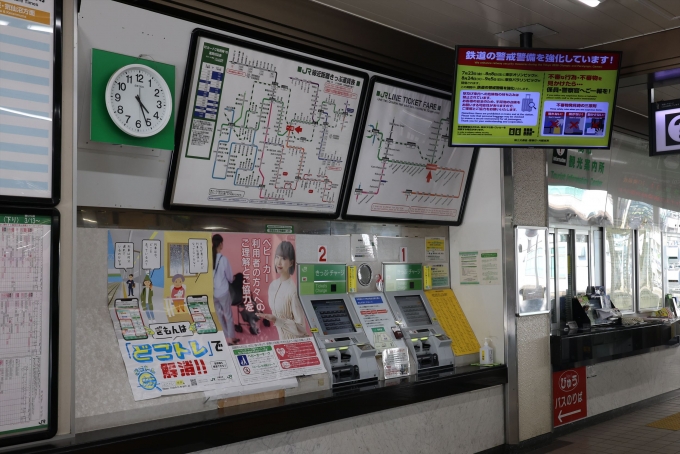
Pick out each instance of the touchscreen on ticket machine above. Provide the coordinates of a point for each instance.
(344, 347)
(424, 336)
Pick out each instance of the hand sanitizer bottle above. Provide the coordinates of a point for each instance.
(486, 354)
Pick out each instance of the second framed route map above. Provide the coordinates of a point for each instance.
(405, 170)
(263, 129)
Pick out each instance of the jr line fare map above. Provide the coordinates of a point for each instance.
(265, 132)
(405, 167)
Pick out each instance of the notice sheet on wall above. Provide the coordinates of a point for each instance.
(25, 245)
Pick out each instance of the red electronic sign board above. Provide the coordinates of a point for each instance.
(570, 401)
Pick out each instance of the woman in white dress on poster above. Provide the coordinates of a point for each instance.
(287, 314)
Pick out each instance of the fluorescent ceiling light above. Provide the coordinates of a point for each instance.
(89, 220)
(42, 28)
(4, 22)
(592, 3)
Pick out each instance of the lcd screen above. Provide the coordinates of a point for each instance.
(333, 316)
(413, 309)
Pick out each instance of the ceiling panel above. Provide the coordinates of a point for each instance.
(451, 22)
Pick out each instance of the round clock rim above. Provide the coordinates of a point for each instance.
(109, 107)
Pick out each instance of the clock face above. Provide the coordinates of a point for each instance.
(138, 100)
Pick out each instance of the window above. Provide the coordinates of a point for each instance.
(651, 270)
(619, 268)
(582, 262)
(179, 259)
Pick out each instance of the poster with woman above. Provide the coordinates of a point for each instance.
(256, 300)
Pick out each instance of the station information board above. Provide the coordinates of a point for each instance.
(30, 101)
(29, 241)
(263, 129)
(548, 98)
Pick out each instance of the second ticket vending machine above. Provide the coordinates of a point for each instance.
(347, 353)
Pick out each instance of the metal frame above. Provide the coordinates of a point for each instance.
(509, 298)
(519, 145)
(604, 263)
(52, 343)
(546, 291)
(184, 110)
(555, 229)
(57, 61)
(349, 184)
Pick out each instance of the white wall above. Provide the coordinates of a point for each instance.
(481, 230)
(460, 424)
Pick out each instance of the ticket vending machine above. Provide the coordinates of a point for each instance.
(424, 336)
(347, 353)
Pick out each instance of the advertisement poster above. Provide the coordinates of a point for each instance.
(534, 97)
(162, 313)
(191, 311)
(257, 301)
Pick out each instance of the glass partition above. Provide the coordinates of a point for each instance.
(650, 270)
(532, 273)
(582, 261)
(620, 280)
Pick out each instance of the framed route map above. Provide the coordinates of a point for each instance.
(404, 169)
(263, 129)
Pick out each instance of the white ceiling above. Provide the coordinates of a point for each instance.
(451, 22)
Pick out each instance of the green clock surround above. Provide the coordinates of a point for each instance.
(102, 128)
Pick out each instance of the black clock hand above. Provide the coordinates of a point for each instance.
(141, 104)
(142, 108)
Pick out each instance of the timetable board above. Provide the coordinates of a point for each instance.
(263, 129)
(30, 101)
(404, 167)
(29, 242)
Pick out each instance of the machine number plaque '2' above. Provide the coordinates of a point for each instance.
(570, 402)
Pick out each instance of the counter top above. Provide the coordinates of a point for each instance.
(197, 431)
(583, 348)
(603, 329)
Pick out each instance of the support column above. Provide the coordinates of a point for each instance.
(528, 393)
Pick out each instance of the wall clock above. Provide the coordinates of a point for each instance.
(138, 100)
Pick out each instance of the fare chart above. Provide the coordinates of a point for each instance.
(263, 131)
(404, 166)
(24, 323)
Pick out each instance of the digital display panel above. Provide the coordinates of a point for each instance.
(333, 316)
(413, 310)
(548, 98)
